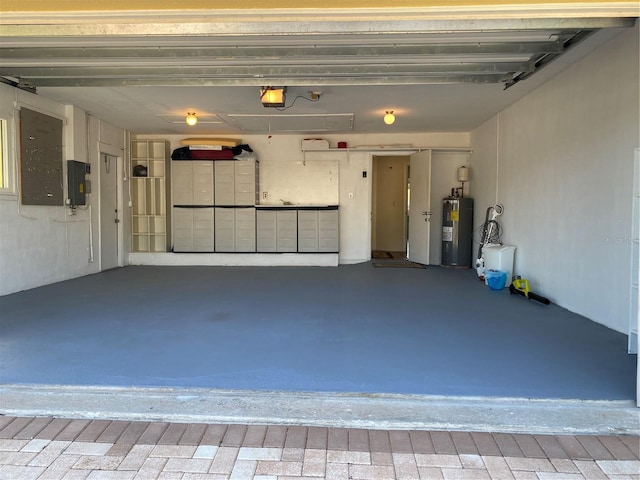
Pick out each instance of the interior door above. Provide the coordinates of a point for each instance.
(419, 207)
(109, 219)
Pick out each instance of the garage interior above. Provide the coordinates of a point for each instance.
(540, 105)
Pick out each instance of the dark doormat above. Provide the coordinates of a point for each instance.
(380, 254)
(402, 264)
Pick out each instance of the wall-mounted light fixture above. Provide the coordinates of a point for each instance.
(191, 119)
(272, 96)
(389, 117)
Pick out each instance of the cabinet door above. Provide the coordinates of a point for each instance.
(245, 229)
(287, 230)
(182, 229)
(182, 182)
(224, 182)
(266, 230)
(328, 231)
(202, 183)
(203, 230)
(307, 230)
(245, 182)
(224, 229)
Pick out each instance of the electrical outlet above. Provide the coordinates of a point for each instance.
(265, 195)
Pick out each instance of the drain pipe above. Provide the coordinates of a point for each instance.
(497, 157)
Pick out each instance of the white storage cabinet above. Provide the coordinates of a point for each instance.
(235, 229)
(193, 229)
(236, 182)
(192, 183)
(193, 212)
(318, 230)
(276, 230)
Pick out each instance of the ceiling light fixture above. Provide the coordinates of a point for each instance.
(272, 96)
(191, 119)
(389, 117)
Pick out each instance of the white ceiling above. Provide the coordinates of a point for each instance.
(447, 77)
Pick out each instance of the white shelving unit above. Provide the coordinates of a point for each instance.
(149, 223)
(634, 309)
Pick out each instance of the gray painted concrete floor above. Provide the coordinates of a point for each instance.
(353, 330)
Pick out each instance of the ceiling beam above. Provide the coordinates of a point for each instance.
(308, 40)
(217, 26)
(289, 81)
(72, 56)
(217, 71)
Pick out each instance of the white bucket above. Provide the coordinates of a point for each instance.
(499, 257)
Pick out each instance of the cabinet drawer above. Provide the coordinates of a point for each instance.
(308, 231)
(182, 183)
(287, 231)
(245, 229)
(203, 229)
(202, 183)
(224, 183)
(265, 231)
(182, 230)
(328, 231)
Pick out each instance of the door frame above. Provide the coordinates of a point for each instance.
(374, 198)
(106, 149)
(406, 179)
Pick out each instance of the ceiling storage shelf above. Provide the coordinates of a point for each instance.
(389, 149)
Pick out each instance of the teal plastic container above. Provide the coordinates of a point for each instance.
(496, 279)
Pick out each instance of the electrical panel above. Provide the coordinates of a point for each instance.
(77, 187)
(40, 159)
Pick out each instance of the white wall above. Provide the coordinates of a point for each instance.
(484, 167)
(45, 244)
(560, 161)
